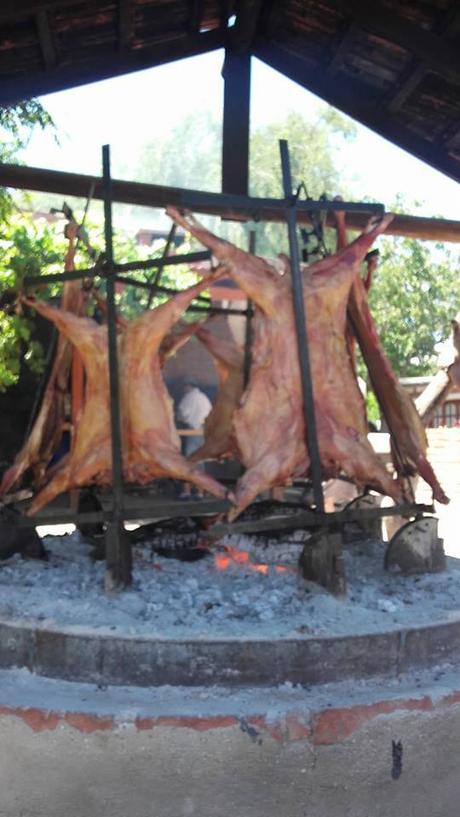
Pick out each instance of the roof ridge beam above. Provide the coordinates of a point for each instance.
(241, 35)
(45, 38)
(125, 24)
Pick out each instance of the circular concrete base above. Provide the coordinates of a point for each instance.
(101, 658)
(77, 749)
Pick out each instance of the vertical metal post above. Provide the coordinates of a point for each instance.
(118, 549)
(156, 277)
(235, 130)
(248, 327)
(311, 437)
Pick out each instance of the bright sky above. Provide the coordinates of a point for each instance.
(131, 110)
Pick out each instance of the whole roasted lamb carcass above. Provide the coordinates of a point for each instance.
(268, 425)
(46, 430)
(150, 443)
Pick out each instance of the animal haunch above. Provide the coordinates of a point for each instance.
(268, 426)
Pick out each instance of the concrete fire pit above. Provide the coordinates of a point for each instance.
(110, 723)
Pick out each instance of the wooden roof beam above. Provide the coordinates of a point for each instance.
(45, 38)
(152, 195)
(416, 71)
(20, 9)
(407, 84)
(353, 98)
(59, 79)
(196, 14)
(437, 53)
(125, 24)
(450, 137)
(242, 34)
(342, 48)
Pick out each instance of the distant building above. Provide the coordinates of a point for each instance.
(447, 414)
(146, 237)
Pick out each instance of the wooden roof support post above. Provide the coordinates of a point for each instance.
(235, 143)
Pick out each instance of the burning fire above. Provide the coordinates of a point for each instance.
(233, 556)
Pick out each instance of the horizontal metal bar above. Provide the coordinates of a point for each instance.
(200, 307)
(194, 199)
(157, 288)
(144, 510)
(100, 271)
(167, 261)
(307, 518)
(153, 509)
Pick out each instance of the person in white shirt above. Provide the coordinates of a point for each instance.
(191, 413)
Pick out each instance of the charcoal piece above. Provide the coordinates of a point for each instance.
(14, 539)
(321, 562)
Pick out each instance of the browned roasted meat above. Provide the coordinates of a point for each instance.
(152, 441)
(151, 446)
(408, 438)
(269, 425)
(90, 458)
(218, 434)
(47, 428)
(176, 339)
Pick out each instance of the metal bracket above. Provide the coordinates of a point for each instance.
(416, 548)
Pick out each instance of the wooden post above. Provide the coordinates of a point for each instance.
(118, 549)
(235, 143)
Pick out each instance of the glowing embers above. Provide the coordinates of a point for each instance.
(233, 558)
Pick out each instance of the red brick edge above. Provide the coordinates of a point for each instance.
(330, 726)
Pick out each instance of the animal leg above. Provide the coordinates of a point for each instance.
(59, 483)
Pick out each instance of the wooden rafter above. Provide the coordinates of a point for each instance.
(352, 97)
(243, 32)
(196, 14)
(342, 48)
(224, 12)
(437, 53)
(408, 82)
(417, 70)
(105, 67)
(125, 24)
(451, 136)
(20, 9)
(45, 37)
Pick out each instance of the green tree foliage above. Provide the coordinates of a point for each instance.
(415, 293)
(21, 250)
(188, 157)
(16, 125)
(414, 296)
(312, 145)
(312, 148)
(24, 249)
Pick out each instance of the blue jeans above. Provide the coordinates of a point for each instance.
(191, 444)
